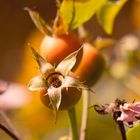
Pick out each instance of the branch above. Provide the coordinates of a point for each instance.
(9, 123)
(8, 132)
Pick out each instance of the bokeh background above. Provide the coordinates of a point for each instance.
(120, 80)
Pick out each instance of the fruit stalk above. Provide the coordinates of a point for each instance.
(73, 124)
(84, 115)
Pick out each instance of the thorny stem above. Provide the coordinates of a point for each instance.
(8, 132)
(122, 130)
(9, 124)
(84, 115)
(73, 124)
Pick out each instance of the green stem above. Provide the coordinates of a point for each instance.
(73, 124)
(84, 115)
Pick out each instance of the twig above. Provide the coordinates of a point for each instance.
(8, 122)
(84, 115)
(73, 124)
(122, 130)
(8, 132)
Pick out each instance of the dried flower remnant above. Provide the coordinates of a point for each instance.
(121, 110)
(114, 108)
(53, 80)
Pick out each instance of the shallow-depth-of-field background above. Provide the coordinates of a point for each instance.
(32, 119)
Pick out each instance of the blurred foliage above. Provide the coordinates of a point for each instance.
(106, 11)
(72, 10)
(135, 13)
(134, 133)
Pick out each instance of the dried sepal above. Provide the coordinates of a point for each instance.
(59, 27)
(67, 64)
(45, 67)
(39, 22)
(55, 97)
(72, 82)
(39, 59)
(37, 83)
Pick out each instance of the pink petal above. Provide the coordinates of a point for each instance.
(135, 107)
(126, 114)
(3, 86)
(127, 117)
(15, 96)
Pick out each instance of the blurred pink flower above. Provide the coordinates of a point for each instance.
(3, 86)
(130, 112)
(13, 95)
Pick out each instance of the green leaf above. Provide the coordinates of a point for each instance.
(67, 64)
(106, 15)
(38, 21)
(37, 83)
(104, 42)
(134, 133)
(77, 12)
